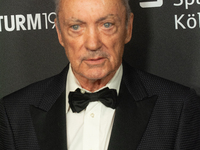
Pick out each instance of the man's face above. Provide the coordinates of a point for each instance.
(93, 33)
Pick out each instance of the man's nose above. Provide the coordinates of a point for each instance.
(92, 39)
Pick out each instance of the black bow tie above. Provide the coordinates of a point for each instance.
(79, 101)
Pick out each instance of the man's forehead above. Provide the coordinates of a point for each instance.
(109, 16)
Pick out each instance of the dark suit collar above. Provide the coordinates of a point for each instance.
(49, 116)
(55, 89)
(133, 82)
(133, 113)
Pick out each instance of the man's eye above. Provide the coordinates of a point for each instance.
(75, 27)
(107, 25)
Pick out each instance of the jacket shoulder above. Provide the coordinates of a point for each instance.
(33, 93)
(155, 85)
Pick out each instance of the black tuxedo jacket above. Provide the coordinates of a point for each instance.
(153, 114)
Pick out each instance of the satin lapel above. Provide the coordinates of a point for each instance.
(48, 115)
(132, 114)
(50, 126)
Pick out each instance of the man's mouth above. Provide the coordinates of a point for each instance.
(95, 61)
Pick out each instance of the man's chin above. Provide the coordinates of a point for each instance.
(95, 76)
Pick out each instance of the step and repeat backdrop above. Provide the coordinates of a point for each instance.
(165, 42)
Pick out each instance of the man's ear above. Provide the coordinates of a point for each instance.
(129, 28)
(58, 32)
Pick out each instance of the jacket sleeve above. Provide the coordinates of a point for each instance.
(6, 136)
(188, 135)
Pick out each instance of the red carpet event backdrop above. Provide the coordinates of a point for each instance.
(165, 42)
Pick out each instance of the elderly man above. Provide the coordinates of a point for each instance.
(99, 102)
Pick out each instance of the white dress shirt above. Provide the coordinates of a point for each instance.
(91, 128)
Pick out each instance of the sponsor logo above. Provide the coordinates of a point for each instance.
(20, 22)
(189, 19)
(151, 4)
